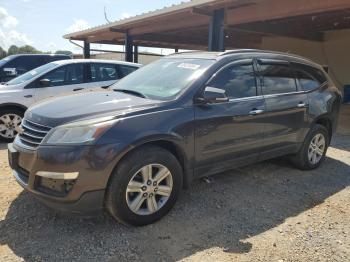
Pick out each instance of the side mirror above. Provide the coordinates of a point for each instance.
(213, 95)
(45, 82)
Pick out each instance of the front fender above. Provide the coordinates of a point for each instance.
(174, 127)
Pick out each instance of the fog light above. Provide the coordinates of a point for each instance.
(55, 175)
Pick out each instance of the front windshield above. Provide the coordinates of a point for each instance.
(31, 74)
(163, 79)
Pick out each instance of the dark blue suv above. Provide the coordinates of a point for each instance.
(131, 149)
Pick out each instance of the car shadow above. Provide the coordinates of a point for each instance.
(222, 213)
(341, 142)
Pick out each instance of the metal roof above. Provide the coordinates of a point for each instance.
(247, 22)
(155, 13)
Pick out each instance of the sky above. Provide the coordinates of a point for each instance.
(42, 23)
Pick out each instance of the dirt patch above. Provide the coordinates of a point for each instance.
(264, 212)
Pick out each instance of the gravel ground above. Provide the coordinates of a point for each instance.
(264, 212)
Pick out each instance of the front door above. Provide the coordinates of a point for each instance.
(230, 133)
(66, 79)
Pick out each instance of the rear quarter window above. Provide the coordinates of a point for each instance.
(309, 78)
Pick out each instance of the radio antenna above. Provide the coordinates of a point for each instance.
(105, 13)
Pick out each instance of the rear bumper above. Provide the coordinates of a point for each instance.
(84, 195)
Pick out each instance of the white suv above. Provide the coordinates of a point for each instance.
(52, 80)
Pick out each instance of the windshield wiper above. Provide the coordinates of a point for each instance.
(131, 92)
(107, 86)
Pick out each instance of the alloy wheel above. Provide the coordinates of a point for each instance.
(9, 125)
(317, 148)
(149, 189)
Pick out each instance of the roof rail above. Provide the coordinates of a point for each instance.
(237, 51)
(240, 51)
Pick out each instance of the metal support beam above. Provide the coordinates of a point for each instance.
(136, 54)
(128, 47)
(216, 41)
(116, 30)
(86, 50)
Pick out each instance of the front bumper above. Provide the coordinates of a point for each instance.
(84, 195)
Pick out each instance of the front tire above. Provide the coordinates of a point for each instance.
(10, 120)
(314, 149)
(144, 186)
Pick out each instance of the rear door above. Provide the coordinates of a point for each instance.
(230, 133)
(63, 80)
(286, 108)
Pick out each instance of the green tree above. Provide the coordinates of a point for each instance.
(13, 50)
(2, 53)
(27, 49)
(63, 52)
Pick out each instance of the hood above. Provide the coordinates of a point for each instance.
(70, 108)
(6, 89)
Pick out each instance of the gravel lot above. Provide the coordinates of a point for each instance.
(264, 212)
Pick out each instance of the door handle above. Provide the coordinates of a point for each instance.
(255, 112)
(28, 96)
(78, 89)
(302, 104)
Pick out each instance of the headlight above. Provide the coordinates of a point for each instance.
(79, 132)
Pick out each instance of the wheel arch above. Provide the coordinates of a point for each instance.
(7, 106)
(326, 121)
(168, 143)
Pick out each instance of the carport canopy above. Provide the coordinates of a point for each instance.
(216, 25)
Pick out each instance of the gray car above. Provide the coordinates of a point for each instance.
(130, 150)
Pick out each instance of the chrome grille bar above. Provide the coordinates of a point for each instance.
(33, 133)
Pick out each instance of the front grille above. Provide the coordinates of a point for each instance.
(33, 134)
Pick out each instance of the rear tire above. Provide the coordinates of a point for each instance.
(152, 178)
(10, 120)
(314, 149)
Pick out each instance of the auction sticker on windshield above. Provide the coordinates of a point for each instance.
(189, 66)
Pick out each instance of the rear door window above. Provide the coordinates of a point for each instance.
(238, 81)
(100, 72)
(277, 78)
(126, 70)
